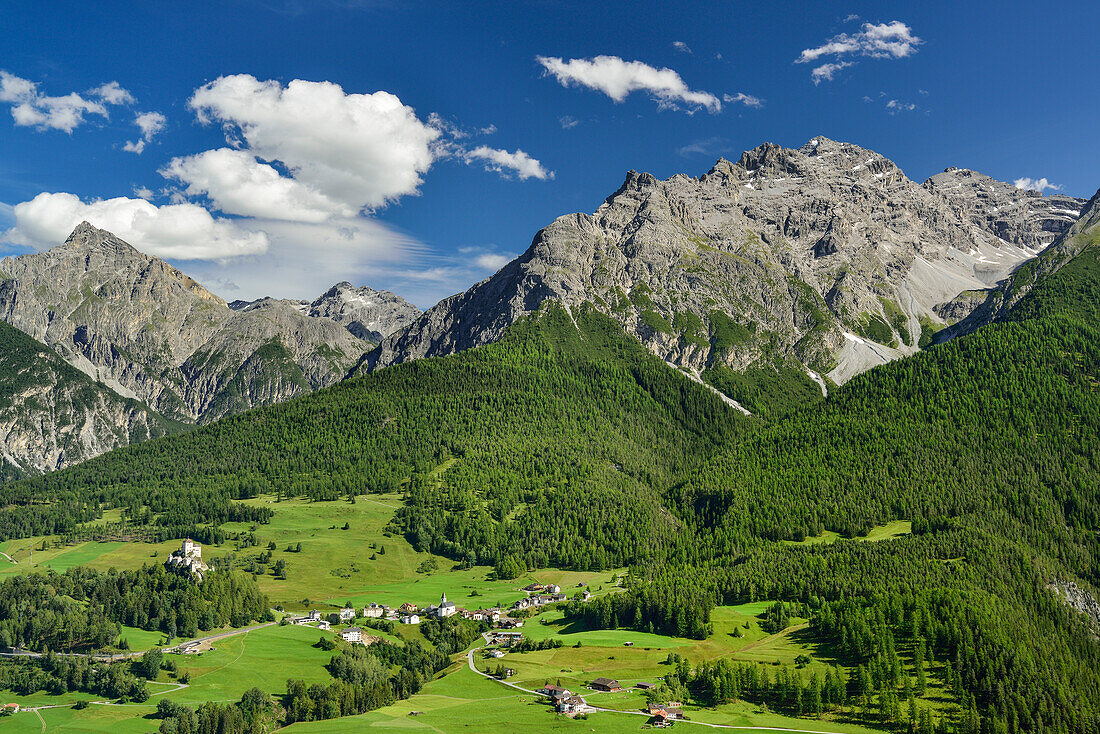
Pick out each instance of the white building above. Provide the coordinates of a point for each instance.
(411, 619)
(352, 634)
(374, 610)
(553, 589)
(188, 557)
(314, 616)
(347, 614)
(445, 608)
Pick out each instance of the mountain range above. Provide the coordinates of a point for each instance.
(785, 273)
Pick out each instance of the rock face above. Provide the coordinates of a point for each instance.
(973, 309)
(368, 314)
(827, 256)
(150, 332)
(52, 415)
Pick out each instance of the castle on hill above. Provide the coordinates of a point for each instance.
(188, 558)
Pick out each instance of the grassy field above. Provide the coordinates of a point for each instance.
(334, 565)
(892, 529)
(466, 702)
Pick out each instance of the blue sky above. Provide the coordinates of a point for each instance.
(417, 146)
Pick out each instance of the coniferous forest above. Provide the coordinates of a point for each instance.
(570, 445)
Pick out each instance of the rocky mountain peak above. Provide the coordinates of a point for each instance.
(826, 256)
(87, 237)
(367, 313)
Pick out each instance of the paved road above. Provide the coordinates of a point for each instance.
(470, 661)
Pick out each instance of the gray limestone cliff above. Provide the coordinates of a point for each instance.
(826, 257)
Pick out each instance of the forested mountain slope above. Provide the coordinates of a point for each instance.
(52, 414)
(554, 445)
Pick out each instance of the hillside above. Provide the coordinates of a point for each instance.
(521, 437)
(53, 415)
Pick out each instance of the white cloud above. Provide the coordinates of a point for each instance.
(741, 98)
(150, 123)
(826, 72)
(567, 122)
(706, 146)
(1036, 184)
(682, 47)
(237, 183)
(893, 40)
(362, 150)
(112, 93)
(30, 108)
(618, 78)
(304, 260)
(518, 163)
(144, 192)
(894, 107)
(492, 261)
(180, 231)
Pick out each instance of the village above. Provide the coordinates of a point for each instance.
(504, 633)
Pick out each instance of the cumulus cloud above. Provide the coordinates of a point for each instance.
(618, 78)
(31, 108)
(361, 150)
(826, 72)
(237, 183)
(741, 98)
(893, 40)
(682, 47)
(149, 123)
(179, 231)
(112, 93)
(506, 163)
(1036, 184)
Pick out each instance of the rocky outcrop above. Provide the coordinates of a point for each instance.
(140, 326)
(828, 256)
(1078, 599)
(368, 314)
(52, 415)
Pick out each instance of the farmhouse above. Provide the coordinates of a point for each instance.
(646, 686)
(496, 653)
(324, 625)
(352, 634)
(571, 705)
(607, 685)
(555, 692)
(553, 589)
(408, 608)
(347, 614)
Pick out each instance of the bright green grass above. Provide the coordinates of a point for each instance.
(466, 702)
(265, 658)
(95, 718)
(140, 639)
(892, 529)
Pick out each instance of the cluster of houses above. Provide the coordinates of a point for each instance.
(565, 701)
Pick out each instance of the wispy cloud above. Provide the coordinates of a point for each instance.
(826, 72)
(705, 146)
(567, 122)
(741, 98)
(618, 78)
(682, 47)
(893, 40)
